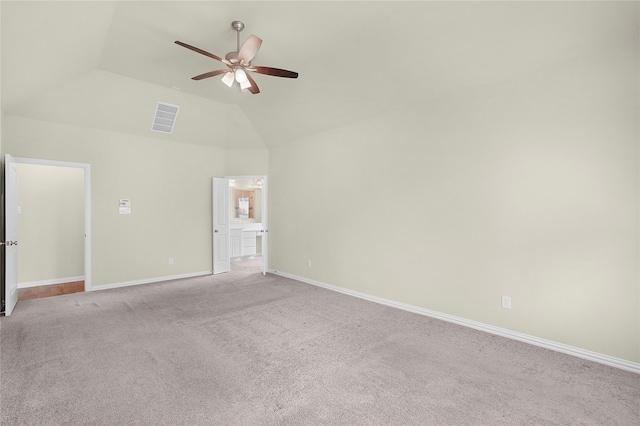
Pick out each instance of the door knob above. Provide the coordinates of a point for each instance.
(215, 230)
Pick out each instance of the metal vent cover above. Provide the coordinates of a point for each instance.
(165, 117)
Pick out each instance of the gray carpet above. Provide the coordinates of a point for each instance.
(245, 349)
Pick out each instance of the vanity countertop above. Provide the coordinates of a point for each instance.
(247, 226)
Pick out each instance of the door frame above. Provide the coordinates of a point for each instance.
(87, 206)
(265, 216)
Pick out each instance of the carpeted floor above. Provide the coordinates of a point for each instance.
(246, 349)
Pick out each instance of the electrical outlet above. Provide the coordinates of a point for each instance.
(171, 261)
(506, 302)
(308, 263)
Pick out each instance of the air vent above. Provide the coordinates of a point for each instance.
(165, 117)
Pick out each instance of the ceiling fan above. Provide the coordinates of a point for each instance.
(239, 62)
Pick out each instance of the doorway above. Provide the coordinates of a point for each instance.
(248, 223)
(245, 245)
(55, 235)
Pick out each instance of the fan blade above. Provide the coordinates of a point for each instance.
(203, 52)
(273, 71)
(254, 87)
(249, 49)
(209, 74)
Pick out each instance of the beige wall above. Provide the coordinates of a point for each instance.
(527, 188)
(51, 223)
(169, 185)
(246, 162)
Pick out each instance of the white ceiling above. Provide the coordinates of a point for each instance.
(105, 65)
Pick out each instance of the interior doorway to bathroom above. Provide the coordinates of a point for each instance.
(240, 218)
(248, 234)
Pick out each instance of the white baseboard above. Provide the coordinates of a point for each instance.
(150, 280)
(548, 344)
(51, 282)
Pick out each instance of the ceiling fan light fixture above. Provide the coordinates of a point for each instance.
(228, 78)
(241, 76)
(245, 84)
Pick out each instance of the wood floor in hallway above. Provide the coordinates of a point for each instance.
(50, 290)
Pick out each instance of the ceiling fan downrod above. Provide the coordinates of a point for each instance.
(238, 26)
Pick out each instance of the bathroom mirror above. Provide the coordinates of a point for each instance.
(242, 210)
(245, 202)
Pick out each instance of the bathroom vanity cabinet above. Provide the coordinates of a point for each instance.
(236, 242)
(243, 239)
(248, 243)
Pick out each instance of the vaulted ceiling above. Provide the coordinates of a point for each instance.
(105, 65)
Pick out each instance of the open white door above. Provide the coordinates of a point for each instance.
(11, 233)
(265, 227)
(221, 259)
